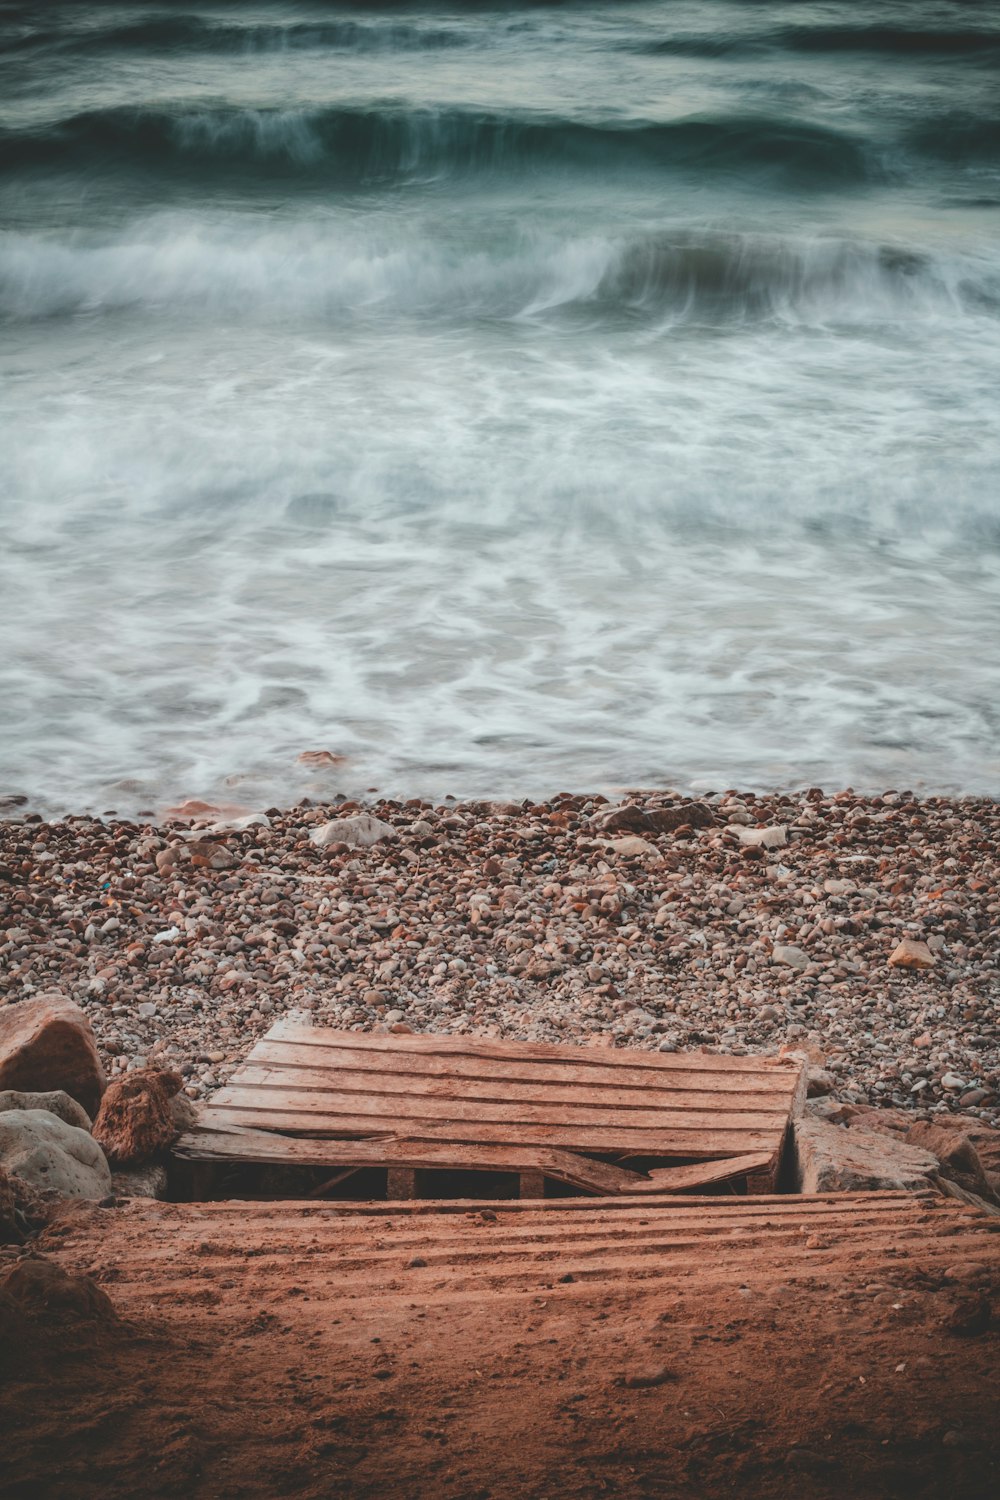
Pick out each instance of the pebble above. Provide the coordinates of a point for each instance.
(517, 922)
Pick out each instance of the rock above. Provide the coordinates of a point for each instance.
(45, 1152)
(183, 1113)
(647, 1377)
(819, 1082)
(958, 1158)
(968, 1316)
(791, 957)
(319, 760)
(56, 1101)
(358, 832)
(832, 1159)
(21, 1210)
(240, 824)
(631, 844)
(47, 1043)
(41, 1288)
(210, 856)
(668, 819)
(629, 818)
(148, 1181)
(775, 837)
(911, 954)
(625, 819)
(135, 1121)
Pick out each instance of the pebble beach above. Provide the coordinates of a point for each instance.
(860, 928)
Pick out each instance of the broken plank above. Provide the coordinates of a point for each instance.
(701, 1174)
(688, 1143)
(265, 1147)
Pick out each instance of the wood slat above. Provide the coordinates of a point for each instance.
(701, 1174)
(274, 1089)
(464, 1078)
(542, 1052)
(271, 1050)
(258, 1146)
(694, 1143)
(440, 1095)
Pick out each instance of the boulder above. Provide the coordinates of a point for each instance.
(45, 1152)
(359, 832)
(135, 1120)
(833, 1159)
(958, 1158)
(48, 1043)
(56, 1101)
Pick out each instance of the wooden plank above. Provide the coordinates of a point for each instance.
(701, 1174)
(687, 1142)
(260, 1088)
(401, 1182)
(531, 1185)
(564, 1070)
(542, 1052)
(264, 1069)
(266, 1147)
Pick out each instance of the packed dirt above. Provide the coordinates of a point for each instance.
(285, 1349)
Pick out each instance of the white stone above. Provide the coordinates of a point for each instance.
(632, 843)
(793, 958)
(359, 832)
(775, 837)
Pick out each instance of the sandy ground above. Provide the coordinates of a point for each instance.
(284, 1349)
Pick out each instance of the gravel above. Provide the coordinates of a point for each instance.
(535, 922)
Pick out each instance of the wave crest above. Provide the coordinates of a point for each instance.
(316, 270)
(374, 145)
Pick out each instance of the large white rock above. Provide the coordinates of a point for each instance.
(359, 832)
(43, 1150)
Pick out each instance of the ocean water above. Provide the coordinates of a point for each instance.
(511, 398)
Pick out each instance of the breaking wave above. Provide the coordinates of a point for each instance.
(311, 269)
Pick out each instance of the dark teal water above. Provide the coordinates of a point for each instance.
(512, 399)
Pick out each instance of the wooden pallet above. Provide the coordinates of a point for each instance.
(313, 1097)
